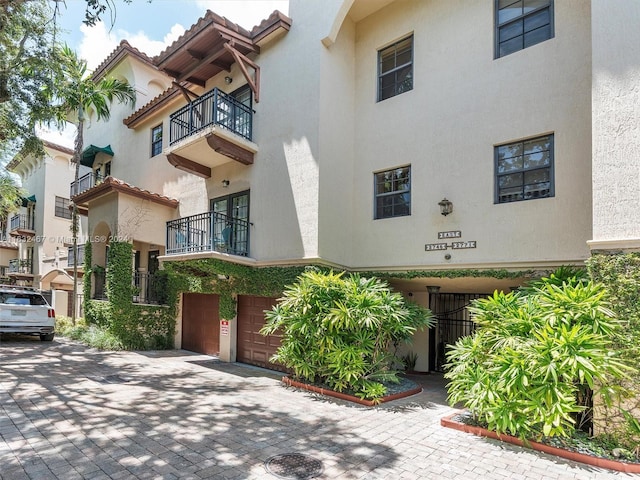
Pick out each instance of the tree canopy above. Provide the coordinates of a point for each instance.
(27, 71)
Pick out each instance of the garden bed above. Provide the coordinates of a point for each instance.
(456, 422)
(405, 388)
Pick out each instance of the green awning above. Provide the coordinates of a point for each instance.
(27, 200)
(89, 154)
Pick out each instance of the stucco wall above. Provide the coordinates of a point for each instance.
(463, 103)
(616, 110)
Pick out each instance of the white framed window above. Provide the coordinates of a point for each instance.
(392, 193)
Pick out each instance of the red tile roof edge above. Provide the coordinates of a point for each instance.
(111, 183)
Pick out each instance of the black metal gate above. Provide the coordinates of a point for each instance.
(452, 322)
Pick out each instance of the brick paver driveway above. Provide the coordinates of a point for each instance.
(70, 412)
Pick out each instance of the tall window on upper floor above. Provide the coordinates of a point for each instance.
(522, 23)
(392, 193)
(524, 170)
(395, 69)
(62, 208)
(156, 140)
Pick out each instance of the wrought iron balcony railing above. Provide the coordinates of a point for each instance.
(213, 108)
(21, 265)
(208, 232)
(150, 288)
(22, 221)
(84, 183)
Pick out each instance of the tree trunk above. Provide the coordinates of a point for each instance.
(77, 153)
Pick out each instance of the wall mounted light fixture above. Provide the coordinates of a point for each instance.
(446, 207)
(228, 80)
(225, 183)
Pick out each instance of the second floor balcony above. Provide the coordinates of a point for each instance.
(208, 232)
(22, 224)
(215, 121)
(20, 266)
(84, 183)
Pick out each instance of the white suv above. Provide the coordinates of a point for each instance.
(25, 310)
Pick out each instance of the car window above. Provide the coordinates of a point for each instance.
(22, 299)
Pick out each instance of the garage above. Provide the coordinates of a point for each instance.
(201, 323)
(253, 347)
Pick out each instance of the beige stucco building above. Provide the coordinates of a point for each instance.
(41, 229)
(458, 147)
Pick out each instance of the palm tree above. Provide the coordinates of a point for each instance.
(77, 92)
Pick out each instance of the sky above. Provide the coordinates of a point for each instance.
(149, 26)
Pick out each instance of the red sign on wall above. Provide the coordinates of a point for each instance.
(224, 327)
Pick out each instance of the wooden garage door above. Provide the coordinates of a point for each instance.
(201, 323)
(253, 347)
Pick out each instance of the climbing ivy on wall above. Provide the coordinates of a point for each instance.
(137, 326)
(144, 326)
(621, 274)
(210, 275)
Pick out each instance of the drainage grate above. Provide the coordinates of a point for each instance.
(294, 465)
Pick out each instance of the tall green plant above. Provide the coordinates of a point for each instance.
(535, 356)
(339, 330)
(75, 94)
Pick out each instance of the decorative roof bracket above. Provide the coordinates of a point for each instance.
(244, 61)
(186, 92)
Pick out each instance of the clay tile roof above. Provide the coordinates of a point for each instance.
(59, 148)
(15, 161)
(123, 49)
(111, 184)
(203, 22)
(8, 245)
(139, 115)
(268, 23)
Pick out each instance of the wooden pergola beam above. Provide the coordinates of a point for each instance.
(242, 61)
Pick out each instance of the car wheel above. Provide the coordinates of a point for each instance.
(47, 338)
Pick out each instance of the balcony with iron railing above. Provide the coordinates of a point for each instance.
(208, 232)
(71, 260)
(148, 288)
(215, 121)
(84, 183)
(20, 266)
(22, 224)
(213, 108)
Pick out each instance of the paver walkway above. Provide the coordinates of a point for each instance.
(68, 412)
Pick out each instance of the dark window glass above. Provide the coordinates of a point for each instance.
(524, 170)
(230, 223)
(156, 140)
(395, 69)
(62, 208)
(522, 23)
(393, 193)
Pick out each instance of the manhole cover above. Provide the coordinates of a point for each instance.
(294, 465)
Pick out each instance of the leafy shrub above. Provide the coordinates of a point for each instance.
(64, 324)
(338, 331)
(536, 356)
(92, 335)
